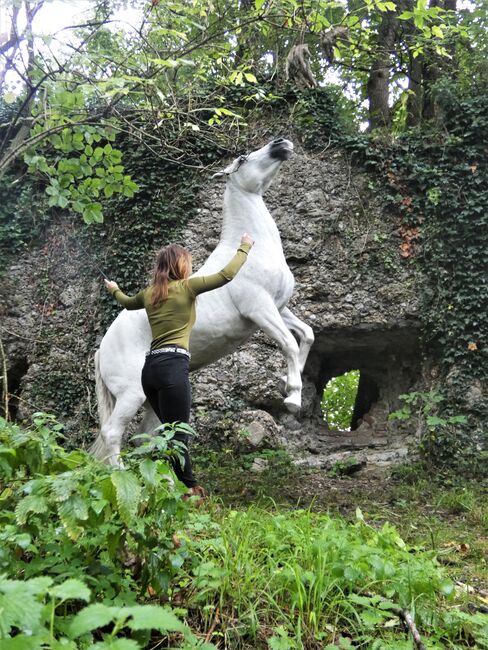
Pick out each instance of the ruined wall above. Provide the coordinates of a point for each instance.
(355, 290)
(352, 287)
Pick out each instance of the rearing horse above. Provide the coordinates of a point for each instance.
(226, 317)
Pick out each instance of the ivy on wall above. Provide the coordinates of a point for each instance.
(437, 178)
(23, 213)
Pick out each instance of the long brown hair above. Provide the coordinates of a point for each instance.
(173, 262)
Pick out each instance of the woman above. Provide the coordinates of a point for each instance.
(170, 305)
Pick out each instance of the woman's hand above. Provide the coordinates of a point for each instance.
(247, 239)
(111, 285)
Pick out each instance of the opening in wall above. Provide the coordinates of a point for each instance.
(339, 399)
(14, 378)
(347, 399)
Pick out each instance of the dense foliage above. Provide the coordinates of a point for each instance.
(89, 553)
(438, 182)
(338, 400)
(69, 92)
(73, 529)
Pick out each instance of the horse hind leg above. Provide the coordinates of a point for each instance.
(150, 420)
(265, 314)
(303, 331)
(112, 431)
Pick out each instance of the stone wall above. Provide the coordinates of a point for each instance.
(352, 287)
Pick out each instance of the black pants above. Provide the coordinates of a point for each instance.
(166, 385)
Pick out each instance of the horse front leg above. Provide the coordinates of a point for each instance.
(304, 333)
(264, 313)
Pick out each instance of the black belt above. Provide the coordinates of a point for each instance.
(173, 348)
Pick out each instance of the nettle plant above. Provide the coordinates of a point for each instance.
(433, 429)
(38, 613)
(86, 528)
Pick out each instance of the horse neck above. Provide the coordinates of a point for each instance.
(247, 212)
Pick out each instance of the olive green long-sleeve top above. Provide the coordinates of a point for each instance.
(172, 320)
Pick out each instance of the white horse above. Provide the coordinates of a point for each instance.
(226, 317)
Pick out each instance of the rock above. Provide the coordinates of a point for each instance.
(474, 395)
(257, 429)
(259, 465)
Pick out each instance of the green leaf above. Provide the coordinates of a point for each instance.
(92, 617)
(25, 642)
(127, 492)
(71, 589)
(62, 201)
(9, 98)
(98, 505)
(147, 468)
(434, 421)
(31, 503)
(20, 606)
(446, 587)
(63, 644)
(148, 617)
(116, 644)
(458, 419)
(250, 77)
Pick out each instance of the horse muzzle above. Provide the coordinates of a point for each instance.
(281, 149)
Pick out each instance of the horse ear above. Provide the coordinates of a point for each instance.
(233, 167)
(230, 169)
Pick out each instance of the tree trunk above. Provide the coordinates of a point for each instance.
(434, 68)
(378, 85)
(246, 39)
(415, 98)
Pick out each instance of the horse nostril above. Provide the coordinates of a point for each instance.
(278, 141)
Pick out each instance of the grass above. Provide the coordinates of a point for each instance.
(286, 559)
(450, 520)
(286, 579)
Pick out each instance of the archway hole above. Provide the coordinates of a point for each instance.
(339, 399)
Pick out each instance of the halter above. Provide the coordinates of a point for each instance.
(240, 161)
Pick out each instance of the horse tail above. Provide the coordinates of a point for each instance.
(106, 403)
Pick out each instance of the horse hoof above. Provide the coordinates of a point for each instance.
(293, 405)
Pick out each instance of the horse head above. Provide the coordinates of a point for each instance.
(255, 171)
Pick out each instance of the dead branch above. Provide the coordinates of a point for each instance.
(472, 590)
(409, 622)
(297, 67)
(4, 379)
(406, 618)
(329, 40)
(213, 626)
